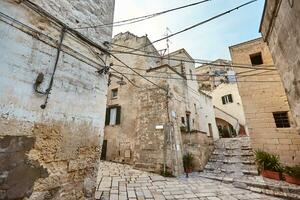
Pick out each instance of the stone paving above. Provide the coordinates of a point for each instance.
(120, 182)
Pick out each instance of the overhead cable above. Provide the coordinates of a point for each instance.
(141, 18)
(198, 24)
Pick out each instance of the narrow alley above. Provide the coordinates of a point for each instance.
(149, 100)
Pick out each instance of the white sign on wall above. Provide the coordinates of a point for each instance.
(159, 127)
(173, 113)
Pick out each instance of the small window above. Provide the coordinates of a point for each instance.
(182, 120)
(191, 74)
(114, 93)
(256, 59)
(227, 99)
(195, 107)
(113, 115)
(281, 119)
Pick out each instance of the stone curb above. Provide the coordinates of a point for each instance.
(259, 187)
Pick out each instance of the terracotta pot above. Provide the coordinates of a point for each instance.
(271, 174)
(291, 179)
(188, 170)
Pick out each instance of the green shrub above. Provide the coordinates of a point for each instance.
(167, 173)
(183, 129)
(188, 161)
(293, 171)
(267, 161)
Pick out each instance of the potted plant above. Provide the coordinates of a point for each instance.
(268, 165)
(188, 163)
(292, 174)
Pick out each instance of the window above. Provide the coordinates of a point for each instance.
(114, 93)
(182, 120)
(188, 122)
(227, 99)
(256, 59)
(191, 74)
(113, 115)
(281, 119)
(195, 107)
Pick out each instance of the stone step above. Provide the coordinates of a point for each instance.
(246, 162)
(246, 170)
(259, 185)
(144, 167)
(233, 151)
(250, 172)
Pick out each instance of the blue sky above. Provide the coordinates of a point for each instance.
(209, 41)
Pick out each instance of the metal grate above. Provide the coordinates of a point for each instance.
(281, 119)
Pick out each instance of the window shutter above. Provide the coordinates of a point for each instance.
(223, 100)
(118, 119)
(107, 116)
(230, 98)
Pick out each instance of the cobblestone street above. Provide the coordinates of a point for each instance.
(118, 182)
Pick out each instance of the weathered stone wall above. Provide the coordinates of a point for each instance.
(233, 113)
(263, 94)
(79, 14)
(187, 97)
(207, 79)
(121, 138)
(143, 106)
(280, 28)
(200, 146)
(149, 142)
(51, 153)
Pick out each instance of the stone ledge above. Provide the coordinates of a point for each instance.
(287, 191)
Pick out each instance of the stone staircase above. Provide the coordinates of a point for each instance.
(233, 162)
(232, 157)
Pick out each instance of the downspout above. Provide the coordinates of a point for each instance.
(166, 131)
(48, 91)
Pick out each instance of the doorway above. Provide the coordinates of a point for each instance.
(104, 150)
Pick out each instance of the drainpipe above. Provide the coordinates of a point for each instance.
(166, 131)
(41, 75)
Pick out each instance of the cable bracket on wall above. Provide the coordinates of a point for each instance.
(40, 76)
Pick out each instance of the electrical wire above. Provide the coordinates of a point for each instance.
(256, 74)
(258, 67)
(141, 18)
(118, 59)
(198, 24)
(174, 78)
(178, 58)
(122, 74)
(197, 75)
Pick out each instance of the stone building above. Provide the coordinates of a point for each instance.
(270, 123)
(229, 110)
(215, 73)
(151, 126)
(52, 100)
(280, 29)
(218, 78)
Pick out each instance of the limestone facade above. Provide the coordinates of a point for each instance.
(136, 139)
(280, 29)
(51, 153)
(270, 123)
(213, 74)
(229, 109)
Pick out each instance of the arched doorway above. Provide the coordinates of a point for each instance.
(226, 130)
